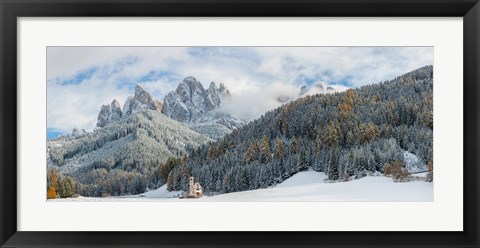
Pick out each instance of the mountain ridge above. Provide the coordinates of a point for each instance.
(190, 103)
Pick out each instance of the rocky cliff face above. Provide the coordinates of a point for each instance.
(191, 103)
(109, 113)
(159, 105)
(214, 96)
(186, 102)
(140, 101)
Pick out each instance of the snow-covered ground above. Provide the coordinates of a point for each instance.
(303, 178)
(161, 192)
(305, 186)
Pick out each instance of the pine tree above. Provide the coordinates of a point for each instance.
(211, 152)
(430, 171)
(294, 146)
(66, 187)
(169, 181)
(332, 134)
(318, 141)
(252, 152)
(333, 173)
(278, 149)
(265, 150)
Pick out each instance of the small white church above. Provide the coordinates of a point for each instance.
(195, 189)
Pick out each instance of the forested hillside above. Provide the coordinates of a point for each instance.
(344, 134)
(121, 158)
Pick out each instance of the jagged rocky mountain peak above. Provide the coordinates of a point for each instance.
(141, 100)
(193, 84)
(109, 113)
(191, 103)
(212, 98)
(139, 91)
(115, 104)
(190, 80)
(223, 90)
(221, 87)
(190, 90)
(116, 109)
(213, 86)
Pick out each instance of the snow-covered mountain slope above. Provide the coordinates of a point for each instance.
(191, 103)
(212, 130)
(305, 186)
(302, 178)
(130, 143)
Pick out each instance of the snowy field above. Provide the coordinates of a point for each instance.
(304, 186)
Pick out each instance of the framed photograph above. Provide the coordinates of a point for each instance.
(222, 124)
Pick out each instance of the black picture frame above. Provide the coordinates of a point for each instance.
(10, 10)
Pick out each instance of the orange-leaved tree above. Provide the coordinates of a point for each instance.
(52, 184)
(51, 194)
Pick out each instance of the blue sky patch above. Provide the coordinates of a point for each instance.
(121, 64)
(155, 75)
(79, 77)
(53, 133)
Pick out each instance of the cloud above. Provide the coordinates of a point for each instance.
(81, 79)
(250, 104)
